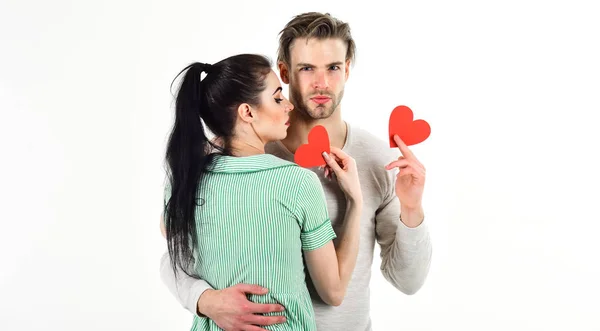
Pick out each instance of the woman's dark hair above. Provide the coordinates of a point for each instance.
(214, 100)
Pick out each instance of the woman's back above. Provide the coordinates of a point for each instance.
(252, 219)
(256, 215)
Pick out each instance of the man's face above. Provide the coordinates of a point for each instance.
(316, 76)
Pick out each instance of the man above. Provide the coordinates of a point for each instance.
(314, 57)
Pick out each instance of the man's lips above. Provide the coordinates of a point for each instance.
(320, 99)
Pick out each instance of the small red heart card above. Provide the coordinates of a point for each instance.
(310, 155)
(410, 131)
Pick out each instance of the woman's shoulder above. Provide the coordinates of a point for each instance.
(293, 173)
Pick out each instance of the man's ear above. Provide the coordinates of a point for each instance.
(347, 69)
(245, 113)
(284, 73)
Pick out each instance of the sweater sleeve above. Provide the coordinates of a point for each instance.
(312, 215)
(186, 289)
(405, 252)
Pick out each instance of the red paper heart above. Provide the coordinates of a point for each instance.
(310, 155)
(402, 124)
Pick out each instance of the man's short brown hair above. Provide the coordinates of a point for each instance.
(314, 25)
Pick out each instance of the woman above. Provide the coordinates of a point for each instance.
(237, 215)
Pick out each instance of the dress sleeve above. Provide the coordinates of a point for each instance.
(311, 212)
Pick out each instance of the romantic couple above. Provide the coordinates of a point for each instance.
(256, 242)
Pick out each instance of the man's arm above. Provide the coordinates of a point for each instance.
(187, 290)
(405, 244)
(229, 308)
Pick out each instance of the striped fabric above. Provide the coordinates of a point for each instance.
(259, 213)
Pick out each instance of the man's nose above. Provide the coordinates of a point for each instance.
(320, 82)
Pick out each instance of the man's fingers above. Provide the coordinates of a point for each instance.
(252, 289)
(406, 171)
(409, 162)
(412, 171)
(253, 328)
(263, 308)
(406, 152)
(397, 164)
(403, 148)
(263, 320)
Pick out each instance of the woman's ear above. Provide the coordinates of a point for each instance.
(245, 113)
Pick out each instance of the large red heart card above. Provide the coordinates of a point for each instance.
(310, 155)
(410, 131)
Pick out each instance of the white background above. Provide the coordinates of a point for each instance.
(510, 88)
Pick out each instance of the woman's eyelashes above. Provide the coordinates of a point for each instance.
(278, 100)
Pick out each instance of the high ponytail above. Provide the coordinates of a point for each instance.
(212, 101)
(187, 159)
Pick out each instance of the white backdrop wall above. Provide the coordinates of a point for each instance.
(511, 90)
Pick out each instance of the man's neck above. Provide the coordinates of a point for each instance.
(297, 133)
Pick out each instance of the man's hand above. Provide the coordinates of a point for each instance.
(231, 310)
(410, 182)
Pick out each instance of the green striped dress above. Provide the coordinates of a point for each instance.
(259, 213)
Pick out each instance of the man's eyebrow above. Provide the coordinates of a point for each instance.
(337, 63)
